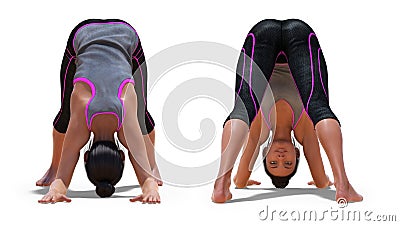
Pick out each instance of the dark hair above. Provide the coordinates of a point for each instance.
(104, 164)
(282, 182)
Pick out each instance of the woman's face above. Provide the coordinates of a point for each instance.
(281, 158)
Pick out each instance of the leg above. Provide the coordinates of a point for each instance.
(309, 71)
(254, 69)
(233, 137)
(330, 136)
(49, 176)
(61, 121)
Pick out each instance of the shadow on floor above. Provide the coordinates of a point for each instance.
(276, 193)
(91, 193)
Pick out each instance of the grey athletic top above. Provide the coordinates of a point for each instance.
(103, 61)
(283, 87)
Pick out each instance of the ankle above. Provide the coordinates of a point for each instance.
(341, 183)
(224, 181)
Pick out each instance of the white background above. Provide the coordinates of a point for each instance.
(360, 43)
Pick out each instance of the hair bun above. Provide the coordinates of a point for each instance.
(105, 189)
(280, 182)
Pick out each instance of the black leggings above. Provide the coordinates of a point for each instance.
(67, 73)
(273, 41)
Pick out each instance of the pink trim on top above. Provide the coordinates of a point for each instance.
(62, 97)
(312, 69)
(320, 74)
(251, 69)
(121, 87)
(244, 65)
(298, 120)
(93, 89)
(99, 23)
(104, 113)
(269, 115)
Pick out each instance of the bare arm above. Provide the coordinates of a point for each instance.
(76, 137)
(258, 135)
(306, 134)
(133, 139)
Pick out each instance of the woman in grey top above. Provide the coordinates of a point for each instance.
(100, 95)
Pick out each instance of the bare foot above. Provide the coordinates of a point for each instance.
(150, 192)
(347, 192)
(221, 192)
(47, 178)
(156, 174)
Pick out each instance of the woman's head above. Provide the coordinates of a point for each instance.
(281, 161)
(104, 164)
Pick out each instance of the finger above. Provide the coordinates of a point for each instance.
(311, 183)
(253, 182)
(137, 198)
